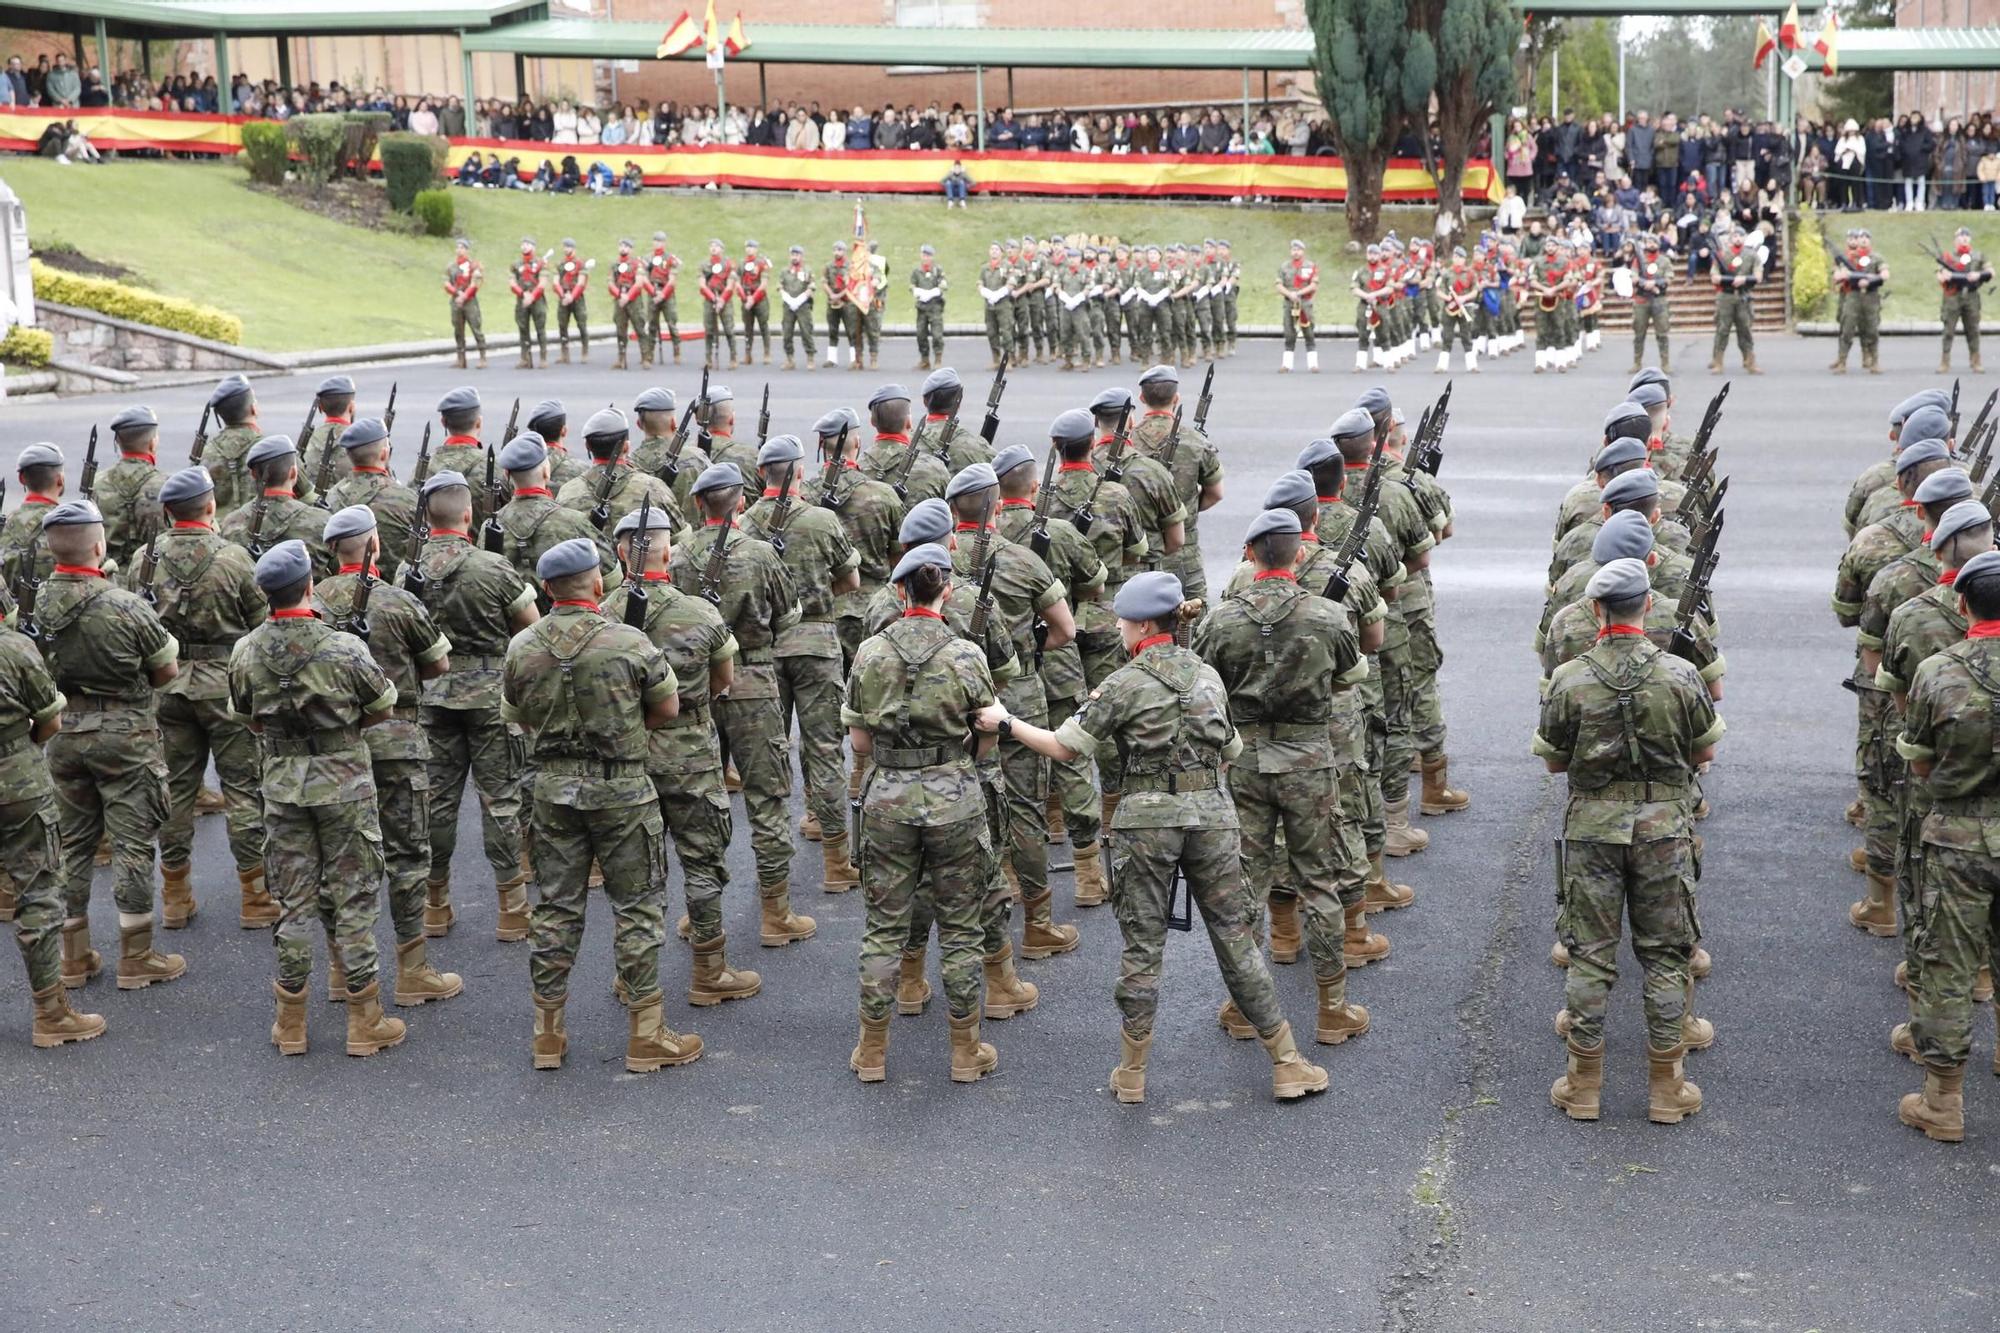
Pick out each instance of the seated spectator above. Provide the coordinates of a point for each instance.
(470, 169)
(496, 177)
(79, 148)
(545, 176)
(600, 179)
(54, 142)
(633, 181)
(957, 184)
(569, 176)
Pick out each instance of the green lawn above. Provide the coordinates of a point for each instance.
(193, 229)
(1912, 292)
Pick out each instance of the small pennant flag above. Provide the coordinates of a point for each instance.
(680, 36)
(860, 222)
(711, 32)
(736, 43)
(1788, 30)
(1828, 44)
(1766, 43)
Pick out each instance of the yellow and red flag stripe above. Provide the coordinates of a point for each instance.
(125, 130)
(681, 34)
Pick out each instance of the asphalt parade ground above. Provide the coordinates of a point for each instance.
(179, 1173)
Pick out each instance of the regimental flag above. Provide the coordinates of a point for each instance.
(736, 42)
(1766, 43)
(681, 35)
(1828, 44)
(1788, 30)
(711, 32)
(860, 222)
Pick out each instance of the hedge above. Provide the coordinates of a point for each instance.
(27, 347)
(1811, 271)
(410, 162)
(136, 304)
(266, 151)
(320, 140)
(436, 211)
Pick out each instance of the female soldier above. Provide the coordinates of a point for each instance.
(924, 835)
(1167, 713)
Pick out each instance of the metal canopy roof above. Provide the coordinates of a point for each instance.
(1916, 48)
(154, 18)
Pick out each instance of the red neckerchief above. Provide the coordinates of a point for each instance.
(371, 467)
(181, 524)
(966, 527)
(1159, 412)
(1017, 503)
(355, 568)
(470, 441)
(772, 492)
(925, 611)
(937, 416)
(520, 491)
(583, 602)
(1329, 499)
(84, 570)
(1909, 504)
(277, 492)
(1655, 444)
(1609, 630)
(892, 439)
(294, 613)
(610, 462)
(1947, 577)
(1085, 466)
(34, 499)
(139, 458)
(332, 420)
(1151, 641)
(718, 522)
(450, 532)
(1984, 629)
(1263, 574)
(1928, 532)
(1308, 536)
(657, 576)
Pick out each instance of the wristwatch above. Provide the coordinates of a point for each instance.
(1006, 727)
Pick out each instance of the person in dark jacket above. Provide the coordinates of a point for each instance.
(1914, 145)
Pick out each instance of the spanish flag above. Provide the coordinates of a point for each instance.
(680, 36)
(711, 32)
(1828, 44)
(1788, 30)
(1765, 44)
(736, 43)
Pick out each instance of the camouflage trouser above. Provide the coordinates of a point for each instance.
(1881, 772)
(930, 330)
(1031, 326)
(1650, 312)
(1861, 318)
(1357, 838)
(1229, 314)
(323, 863)
(1959, 913)
(1143, 862)
(1027, 779)
(758, 742)
(1204, 324)
(1732, 315)
(1103, 652)
(465, 318)
(810, 687)
(798, 325)
(836, 320)
(1302, 809)
(402, 796)
(1459, 329)
(1000, 328)
(1376, 737)
(1426, 707)
(717, 325)
(190, 731)
(110, 780)
(1073, 334)
(536, 314)
(1598, 885)
(873, 322)
(1398, 741)
(662, 320)
(1960, 310)
(916, 875)
(1549, 330)
(632, 320)
(1082, 813)
(757, 318)
(31, 850)
(573, 313)
(1187, 564)
(628, 843)
(855, 320)
(475, 741)
(697, 813)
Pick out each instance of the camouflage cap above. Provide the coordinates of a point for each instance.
(837, 420)
(71, 514)
(186, 484)
(654, 400)
(283, 565)
(657, 520)
(1013, 456)
(1153, 595)
(944, 377)
(917, 557)
(368, 430)
(461, 399)
(1291, 488)
(1075, 424)
(780, 449)
(1923, 451)
(438, 481)
(1626, 449)
(524, 452)
(1621, 580)
(716, 477)
(1636, 484)
(928, 521)
(233, 386)
(1947, 483)
(134, 419)
(1354, 421)
(349, 522)
(271, 446)
(1624, 535)
(1270, 521)
(40, 455)
(976, 477)
(1965, 514)
(578, 555)
(335, 384)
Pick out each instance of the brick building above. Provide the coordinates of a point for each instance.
(1955, 91)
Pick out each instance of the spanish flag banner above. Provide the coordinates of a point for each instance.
(711, 32)
(1765, 44)
(1788, 30)
(1828, 44)
(736, 43)
(681, 35)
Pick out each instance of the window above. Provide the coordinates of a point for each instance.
(937, 13)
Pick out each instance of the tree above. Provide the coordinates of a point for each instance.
(1865, 95)
(1589, 60)
(1373, 78)
(1474, 43)
(1695, 67)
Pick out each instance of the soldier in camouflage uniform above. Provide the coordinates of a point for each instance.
(550, 420)
(478, 601)
(1104, 512)
(869, 512)
(716, 415)
(23, 553)
(128, 492)
(369, 482)
(1667, 453)
(1282, 652)
(1961, 276)
(276, 514)
(1195, 467)
(108, 652)
(407, 646)
(1155, 495)
(796, 290)
(682, 757)
(532, 521)
(335, 400)
(204, 590)
(996, 289)
(1947, 739)
(654, 412)
(925, 838)
(235, 407)
(462, 280)
(613, 486)
(748, 585)
(1926, 423)
(956, 445)
(589, 689)
(823, 567)
(927, 289)
(1882, 473)
(893, 459)
(31, 710)
(459, 413)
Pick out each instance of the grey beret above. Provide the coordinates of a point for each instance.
(1013, 456)
(1624, 536)
(1965, 514)
(1651, 375)
(186, 484)
(654, 400)
(657, 520)
(438, 481)
(1648, 395)
(134, 418)
(1639, 482)
(606, 421)
(944, 377)
(41, 455)
(1318, 453)
(1625, 418)
(717, 476)
(72, 513)
(1075, 424)
(659, 236)
(1153, 595)
(928, 521)
(1272, 520)
(976, 477)
(234, 386)
(836, 421)
(459, 399)
(1983, 566)
(1625, 449)
(349, 522)
(1923, 451)
(1621, 580)
(720, 393)
(1115, 399)
(917, 557)
(569, 243)
(271, 446)
(368, 430)
(335, 384)
(926, 249)
(1928, 422)
(1374, 400)
(780, 449)
(546, 409)
(1291, 488)
(1947, 483)
(578, 555)
(524, 451)
(284, 564)
(1161, 375)
(1923, 397)
(1354, 421)
(889, 393)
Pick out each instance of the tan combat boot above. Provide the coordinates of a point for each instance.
(1041, 937)
(1284, 929)
(1939, 1110)
(1904, 1043)
(1671, 1097)
(56, 1023)
(809, 828)
(714, 980)
(1579, 1091)
(1438, 797)
(840, 873)
(1876, 913)
(1384, 894)
(256, 908)
(460, 362)
(1902, 977)
(369, 1030)
(511, 926)
(1090, 890)
(652, 1045)
(80, 962)
(288, 1032)
(1006, 993)
(1057, 821)
(1715, 365)
(209, 801)
(1857, 860)
(1291, 1075)
(551, 1040)
(913, 990)
(563, 357)
(1401, 838)
(1559, 954)
(1700, 964)
(177, 904)
(417, 982)
(1361, 946)
(482, 358)
(1128, 1079)
(619, 364)
(527, 361)
(1231, 1020)
(438, 911)
(545, 356)
(971, 1058)
(1857, 815)
(781, 925)
(1338, 1019)
(139, 965)
(870, 1060)
(1982, 985)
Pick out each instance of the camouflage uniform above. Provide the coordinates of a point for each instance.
(730, 449)
(321, 440)
(1155, 497)
(29, 844)
(128, 495)
(1574, 549)
(1380, 559)
(564, 467)
(1403, 663)
(1196, 465)
(223, 458)
(884, 460)
(628, 486)
(1120, 543)
(1419, 607)
(394, 506)
(277, 516)
(533, 522)
(21, 538)
(1876, 761)
(959, 447)
(651, 458)
(465, 455)
(872, 515)
(1872, 479)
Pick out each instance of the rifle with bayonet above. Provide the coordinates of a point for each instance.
(1206, 401)
(944, 437)
(1038, 538)
(1952, 411)
(829, 477)
(670, 466)
(1701, 461)
(983, 562)
(701, 415)
(900, 480)
(600, 507)
(414, 576)
(423, 472)
(1975, 444)
(1121, 444)
(1980, 446)
(364, 584)
(991, 426)
(1695, 597)
(512, 417)
(711, 573)
(1340, 581)
(781, 512)
(1171, 449)
(764, 417)
(323, 479)
(148, 561)
(389, 412)
(1990, 497)
(304, 440)
(1427, 454)
(200, 444)
(640, 543)
(87, 488)
(492, 536)
(1180, 891)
